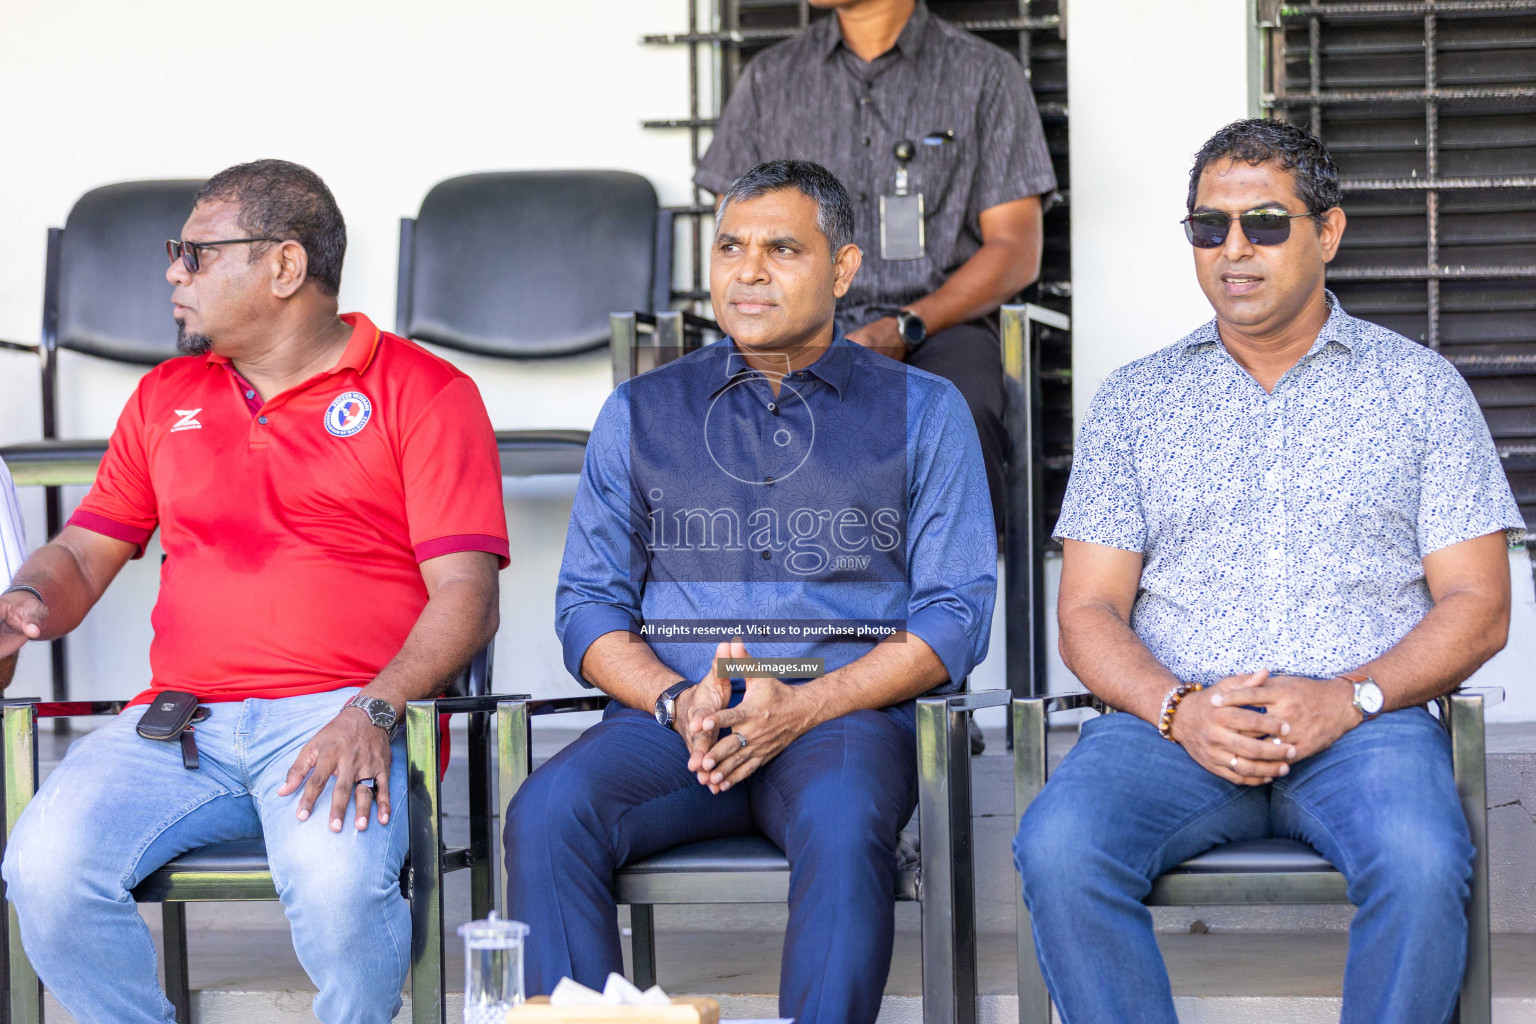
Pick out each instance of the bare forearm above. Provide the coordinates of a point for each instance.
(894, 670)
(66, 582)
(623, 666)
(459, 619)
(1109, 658)
(997, 272)
(1460, 633)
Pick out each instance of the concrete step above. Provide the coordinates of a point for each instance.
(252, 976)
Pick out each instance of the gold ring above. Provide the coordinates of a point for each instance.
(1234, 762)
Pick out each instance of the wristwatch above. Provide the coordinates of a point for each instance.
(666, 704)
(380, 712)
(912, 329)
(1368, 697)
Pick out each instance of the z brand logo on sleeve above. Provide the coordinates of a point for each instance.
(348, 413)
(188, 420)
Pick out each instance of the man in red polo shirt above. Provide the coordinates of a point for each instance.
(329, 501)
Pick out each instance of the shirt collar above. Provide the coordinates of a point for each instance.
(1337, 329)
(909, 42)
(834, 368)
(360, 350)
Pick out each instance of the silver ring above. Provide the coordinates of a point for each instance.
(1234, 762)
(365, 782)
(743, 740)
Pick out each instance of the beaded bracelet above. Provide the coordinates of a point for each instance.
(1171, 705)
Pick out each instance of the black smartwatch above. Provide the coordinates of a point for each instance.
(666, 704)
(912, 329)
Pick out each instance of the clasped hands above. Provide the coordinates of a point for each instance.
(1218, 727)
(771, 715)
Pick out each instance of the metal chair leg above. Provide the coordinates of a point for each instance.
(1029, 767)
(1468, 757)
(426, 847)
(23, 990)
(482, 830)
(178, 983)
(948, 908)
(642, 945)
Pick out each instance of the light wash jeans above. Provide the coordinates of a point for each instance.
(1126, 805)
(119, 806)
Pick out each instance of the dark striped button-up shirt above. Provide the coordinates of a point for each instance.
(811, 98)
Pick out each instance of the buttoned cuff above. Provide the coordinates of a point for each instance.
(585, 625)
(937, 627)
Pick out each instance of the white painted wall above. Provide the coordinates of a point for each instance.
(1148, 84)
(385, 98)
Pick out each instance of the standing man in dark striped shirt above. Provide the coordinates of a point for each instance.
(935, 134)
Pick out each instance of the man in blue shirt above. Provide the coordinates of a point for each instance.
(815, 499)
(1283, 536)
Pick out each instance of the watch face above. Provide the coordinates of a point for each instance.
(912, 329)
(1370, 697)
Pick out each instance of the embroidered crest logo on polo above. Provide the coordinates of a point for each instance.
(348, 413)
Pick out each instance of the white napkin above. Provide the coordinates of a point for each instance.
(616, 992)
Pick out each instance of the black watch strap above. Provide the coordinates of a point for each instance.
(664, 713)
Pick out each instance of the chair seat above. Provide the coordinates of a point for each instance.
(538, 452)
(750, 869)
(1251, 871)
(54, 463)
(221, 871)
(1254, 856)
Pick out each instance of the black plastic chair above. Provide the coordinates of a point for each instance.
(239, 870)
(104, 295)
(528, 265)
(1272, 871)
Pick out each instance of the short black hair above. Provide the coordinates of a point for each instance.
(285, 200)
(834, 210)
(1258, 140)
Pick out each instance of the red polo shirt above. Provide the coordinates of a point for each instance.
(293, 529)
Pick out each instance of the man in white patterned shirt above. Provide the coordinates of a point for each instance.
(1284, 535)
(13, 550)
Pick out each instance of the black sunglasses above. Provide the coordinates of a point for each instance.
(1261, 227)
(187, 251)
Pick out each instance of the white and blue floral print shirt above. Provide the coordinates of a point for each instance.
(1284, 531)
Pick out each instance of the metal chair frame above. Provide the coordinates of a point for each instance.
(176, 884)
(1314, 881)
(944, 883)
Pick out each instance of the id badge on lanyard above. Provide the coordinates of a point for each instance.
(901, 215)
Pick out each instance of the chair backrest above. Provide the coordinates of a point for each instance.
(112, 298)
(529, 264)
(475, 680)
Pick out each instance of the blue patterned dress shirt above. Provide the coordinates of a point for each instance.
(855, 499)
(1284, 531)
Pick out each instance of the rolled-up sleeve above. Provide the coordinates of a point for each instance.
(600, 584)
(1103, 503)
(952, 546)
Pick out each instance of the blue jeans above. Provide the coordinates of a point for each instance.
(834, 801)
(1127, 805)
(119, 806)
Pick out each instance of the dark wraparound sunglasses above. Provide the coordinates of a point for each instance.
(187, 251)
(1261, 227)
